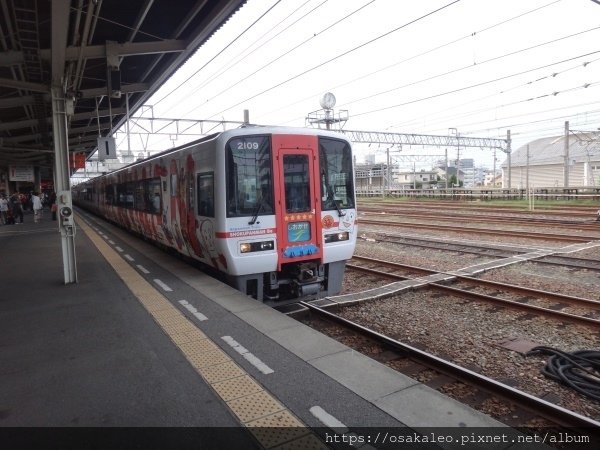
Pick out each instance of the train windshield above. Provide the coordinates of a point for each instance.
(249, 176)
(337, 189)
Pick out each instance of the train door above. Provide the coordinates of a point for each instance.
(296, 197)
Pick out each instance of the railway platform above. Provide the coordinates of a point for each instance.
(147, 347)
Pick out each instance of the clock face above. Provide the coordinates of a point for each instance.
(328, 100)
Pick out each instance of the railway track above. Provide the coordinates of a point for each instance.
(472, 230)
(553, 302)
(464, 247)
(450, 371)
(526, 221)
(570, 211)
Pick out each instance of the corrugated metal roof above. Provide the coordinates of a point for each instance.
(83, 43)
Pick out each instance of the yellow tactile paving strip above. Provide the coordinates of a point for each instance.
(273, 426)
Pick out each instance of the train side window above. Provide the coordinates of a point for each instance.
(121, 193)
(206, 194)
(155, 203)
(89, 193)
(109, 194)
(140, 202)
(125, 195)
(173, 185)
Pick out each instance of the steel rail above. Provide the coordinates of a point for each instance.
(446, 204)
(552, 412)
(521, 221)
(557, 260)
(496, 284)
(485, 297)
(527, 235)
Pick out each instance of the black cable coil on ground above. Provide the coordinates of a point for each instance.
(579, 370)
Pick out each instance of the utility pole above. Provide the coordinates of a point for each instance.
(457, 161)
(494, 173)
(508, 155)
(527, 172)
(415, 176)
(566, 168)
(387, 169)
(446, 169)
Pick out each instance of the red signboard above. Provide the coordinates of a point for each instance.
(77, 161)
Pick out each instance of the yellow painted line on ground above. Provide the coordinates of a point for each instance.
(273, 425)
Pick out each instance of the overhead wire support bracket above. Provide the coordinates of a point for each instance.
(381, 137)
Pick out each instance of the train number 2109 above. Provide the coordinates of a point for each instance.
(247, 145)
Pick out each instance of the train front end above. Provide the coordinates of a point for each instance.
(291, 214)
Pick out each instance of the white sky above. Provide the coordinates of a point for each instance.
(280, 67)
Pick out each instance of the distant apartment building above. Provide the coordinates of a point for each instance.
(378, 176)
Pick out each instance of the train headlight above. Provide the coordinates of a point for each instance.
(247, 247)
(336, 237)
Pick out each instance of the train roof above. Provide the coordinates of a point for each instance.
(228, 134)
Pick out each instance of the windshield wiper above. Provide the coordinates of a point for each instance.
(339, 210)
(331, 198)
(256, 211)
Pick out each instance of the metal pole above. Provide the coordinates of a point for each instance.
(128, 135)
(414, 175)
(527, 172)
(387, 170)
(59, 17)
(381, 177)
(446, 170)
(566, 169)
(61, 157)
(508, 152)
(494, 173)
(457, 159)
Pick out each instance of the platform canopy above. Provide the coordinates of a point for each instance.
(120, 51)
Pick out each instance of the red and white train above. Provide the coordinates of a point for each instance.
(271, 208)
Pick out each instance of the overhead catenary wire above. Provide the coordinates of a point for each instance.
(218, 53)
(238, 58)
(554, 93)
(440, 118)
(351, 102)
(426, 52)
(464, 88)
(287, 52)
(471, 66)
(347, 52)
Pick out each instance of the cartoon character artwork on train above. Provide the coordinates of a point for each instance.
(206, 235)
(174, 203)
(190, 224)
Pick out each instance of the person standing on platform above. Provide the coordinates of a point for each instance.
(3, 209)
(53, 205)
(17, 208)
(36, 203)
